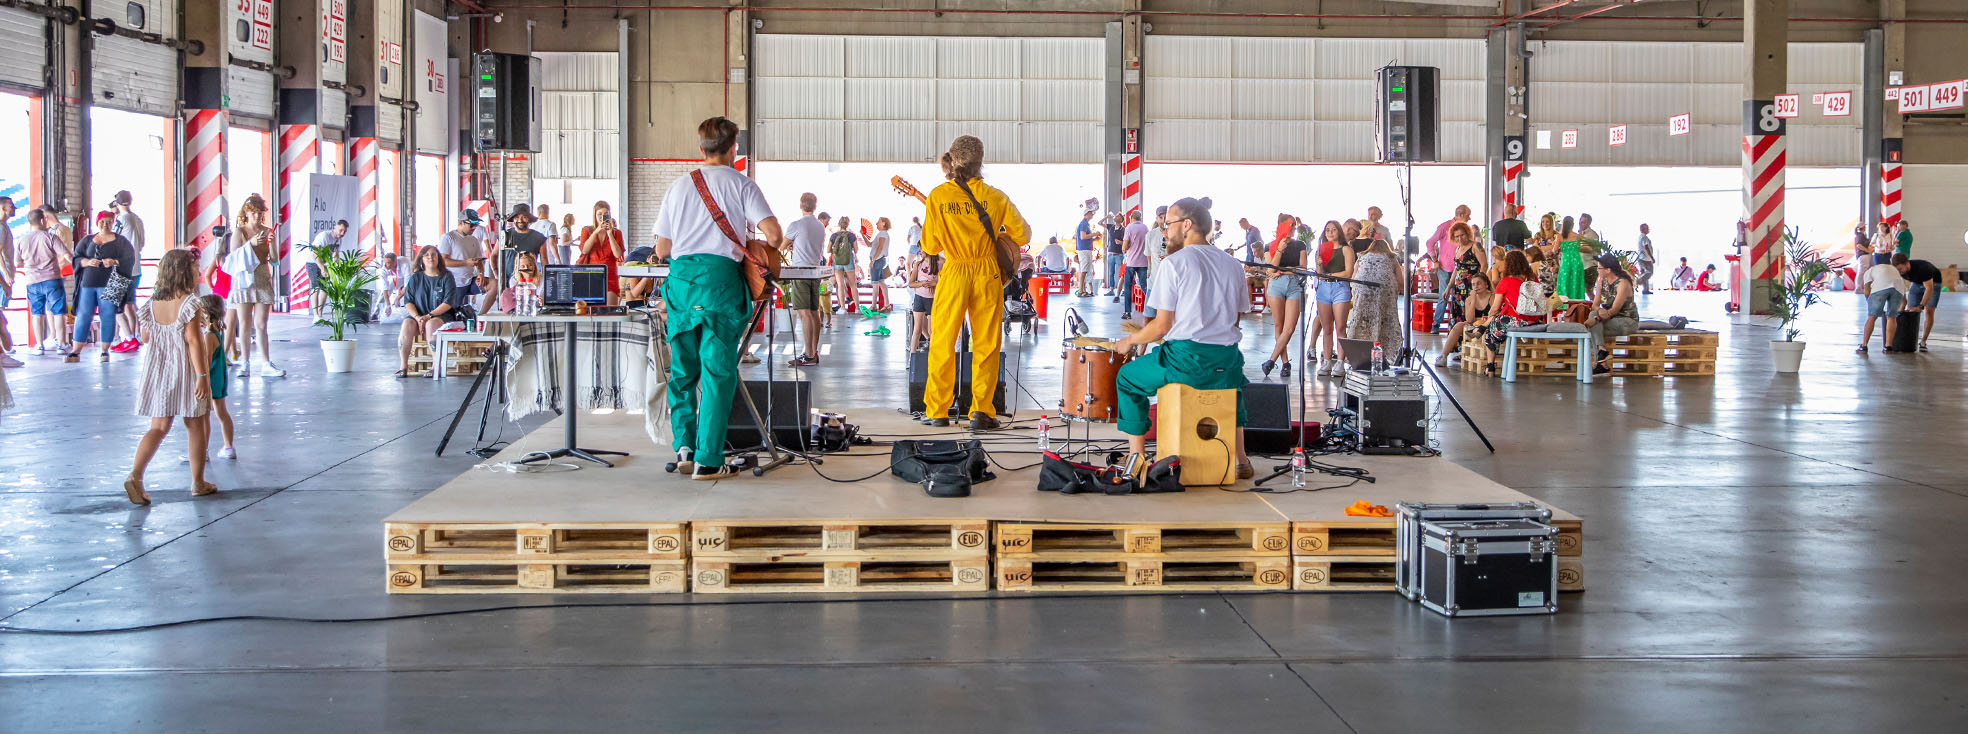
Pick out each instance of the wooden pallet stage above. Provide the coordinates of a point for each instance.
(636, 529)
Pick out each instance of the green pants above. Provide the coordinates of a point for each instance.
(709, 309)
(1201, 366)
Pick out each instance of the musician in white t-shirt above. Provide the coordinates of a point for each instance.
(705, 296)
(1197, 293)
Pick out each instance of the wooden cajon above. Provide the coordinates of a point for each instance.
(1199, 427)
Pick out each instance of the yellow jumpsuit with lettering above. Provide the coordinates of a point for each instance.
(968, 286)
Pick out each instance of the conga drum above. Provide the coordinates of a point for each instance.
(1088, 391)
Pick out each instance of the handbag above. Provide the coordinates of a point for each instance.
(119, 286)
(943, 468)
(761, 261)
(1003, 247)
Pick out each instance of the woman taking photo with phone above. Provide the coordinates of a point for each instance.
(601, 244)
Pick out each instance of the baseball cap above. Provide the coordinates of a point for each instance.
(468, 216)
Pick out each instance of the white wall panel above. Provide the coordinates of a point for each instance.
(1272, 99)
(333, 109)
(580, 115)
(1461, 141)
(1273, 58)
(579, 71)
(780, 56)
(249, 91)
(1343, 141)
(1355, 58)
(1188, 140)
(23, 48)
(1176, 98)
(1192, 57)
(977, 99)
(132, 75)
(976, 58)
(1264, 141)
(1350, 100)
(880, 98)
(889, 56)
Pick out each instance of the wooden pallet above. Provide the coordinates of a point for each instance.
(1158, 572)
(1679, 338)
(1342, 573)
(1475, 356)
(1624, 368)
(1571, 573)
(1661, 354)
(1029, 540)
(722, 576)
(1367, 536)
(532, 542)
(547, 576)
(1571, 537)
(888, 541)
(466, 360)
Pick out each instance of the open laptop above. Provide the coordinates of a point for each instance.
(1358, 353)
(564, 285)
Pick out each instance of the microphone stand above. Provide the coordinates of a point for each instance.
(1304, 351)
(1409, 356)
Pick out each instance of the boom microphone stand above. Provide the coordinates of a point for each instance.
(1408, 356)
(1306, 278)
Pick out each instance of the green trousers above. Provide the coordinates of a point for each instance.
(1201, 366)
(709, 309)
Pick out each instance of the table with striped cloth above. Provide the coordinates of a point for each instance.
(627, 365)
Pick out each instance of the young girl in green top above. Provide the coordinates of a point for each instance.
(213, 308)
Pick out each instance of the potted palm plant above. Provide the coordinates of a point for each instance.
(1802, 278)
(345, 281)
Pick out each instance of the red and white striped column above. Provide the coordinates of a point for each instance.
(1512, 174)
(1763, 201)
(1515, 153)
(1130, 184)
(204, 156)
(368, 229)
(299, 156)
(1889, 181)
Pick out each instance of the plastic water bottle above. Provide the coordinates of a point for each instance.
(1298, 466)
(1379, 359)
(1044, 443)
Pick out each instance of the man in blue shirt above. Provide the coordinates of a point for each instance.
(1083, 237)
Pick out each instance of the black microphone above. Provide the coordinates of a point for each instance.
(1074, 323)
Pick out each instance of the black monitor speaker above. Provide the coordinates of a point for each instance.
(791, 399)
(506, 102)
(1407, 114)
(960, 401)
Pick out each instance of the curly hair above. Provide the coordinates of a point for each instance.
(964, 160)
(176, 276)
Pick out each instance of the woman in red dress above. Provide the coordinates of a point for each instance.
(601, 244)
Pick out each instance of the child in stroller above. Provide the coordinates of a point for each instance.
(1018, 300)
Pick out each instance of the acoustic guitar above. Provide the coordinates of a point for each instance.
(904, 188)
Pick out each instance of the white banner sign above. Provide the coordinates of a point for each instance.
(1680, 124)
(1948, 95)
(1569, 139)
(431, 81)
(1616, 135)
(1838, 104)
(330, 199)
(1789, 106)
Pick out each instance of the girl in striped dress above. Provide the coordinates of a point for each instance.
(176, 372)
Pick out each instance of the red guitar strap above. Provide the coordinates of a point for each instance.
(717, 215)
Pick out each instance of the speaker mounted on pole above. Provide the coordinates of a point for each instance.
(1407, 114)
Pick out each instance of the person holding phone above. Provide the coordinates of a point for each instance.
(601, 244)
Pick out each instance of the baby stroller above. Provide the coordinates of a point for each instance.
(1018, 303)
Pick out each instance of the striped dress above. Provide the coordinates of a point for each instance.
(168, 387)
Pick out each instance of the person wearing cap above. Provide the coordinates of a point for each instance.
(96, 258)
(1613, 312)
(131, 227)
(970, 286)
(463, 255)
(701, 230)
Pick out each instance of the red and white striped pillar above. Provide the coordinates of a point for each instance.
(204, 177)
(367, 179)
(1763, 201)
(299, 156)
(1512, 172)
(1514, 155)
(1130, 184)
(1889, 180)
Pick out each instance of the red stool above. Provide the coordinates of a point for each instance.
(1039, 294)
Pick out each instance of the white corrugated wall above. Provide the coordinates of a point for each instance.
(23, 49)
(249, 91)
(1590, 86)
(129, 74)
(901, 99)
(1295, 100)
(580, 124)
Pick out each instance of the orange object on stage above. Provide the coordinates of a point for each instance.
(1039, 294)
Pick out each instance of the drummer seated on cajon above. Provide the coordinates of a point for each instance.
(1197, 293)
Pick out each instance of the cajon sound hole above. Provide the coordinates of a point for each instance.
(1206, 429)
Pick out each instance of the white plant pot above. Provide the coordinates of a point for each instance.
(339, 355)
(1789, 355)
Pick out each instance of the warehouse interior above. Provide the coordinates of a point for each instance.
(1769, 546)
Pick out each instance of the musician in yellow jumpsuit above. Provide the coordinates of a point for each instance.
(969, 285)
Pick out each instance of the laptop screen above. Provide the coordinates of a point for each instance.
(1358, 353)
(566, 284)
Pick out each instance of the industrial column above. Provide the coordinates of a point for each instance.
(314, 42)
(205, 117)
(1507, 116)
(1766, 64)
(1892, 126)
(1124, 112)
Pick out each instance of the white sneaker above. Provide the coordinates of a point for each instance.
(244, 369)
(10, 362)
(271, 371)
(1442, 360)
(228, 453)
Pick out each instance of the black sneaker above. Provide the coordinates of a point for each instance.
(707, 473)
(937, 422)
(804, 360)
(1601, 370)
(981, 421)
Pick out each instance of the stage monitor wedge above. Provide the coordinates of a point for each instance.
(1407, 114)
(506, 102)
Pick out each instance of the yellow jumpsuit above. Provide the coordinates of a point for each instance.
(968, 285)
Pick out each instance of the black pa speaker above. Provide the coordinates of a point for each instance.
(1267, 406)
(1407, 114)
(960, 406)
(506, 102)
(790, 401)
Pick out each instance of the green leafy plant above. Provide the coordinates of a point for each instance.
(345, 281)
(1801, 280)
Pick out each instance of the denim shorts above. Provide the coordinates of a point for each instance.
(1333, 292)
(1887, 303)
(1286, 287)
(47, 297)
(1916, 296)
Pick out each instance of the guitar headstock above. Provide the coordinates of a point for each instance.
(905, 188)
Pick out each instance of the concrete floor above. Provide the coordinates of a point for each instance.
(1765, 553)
